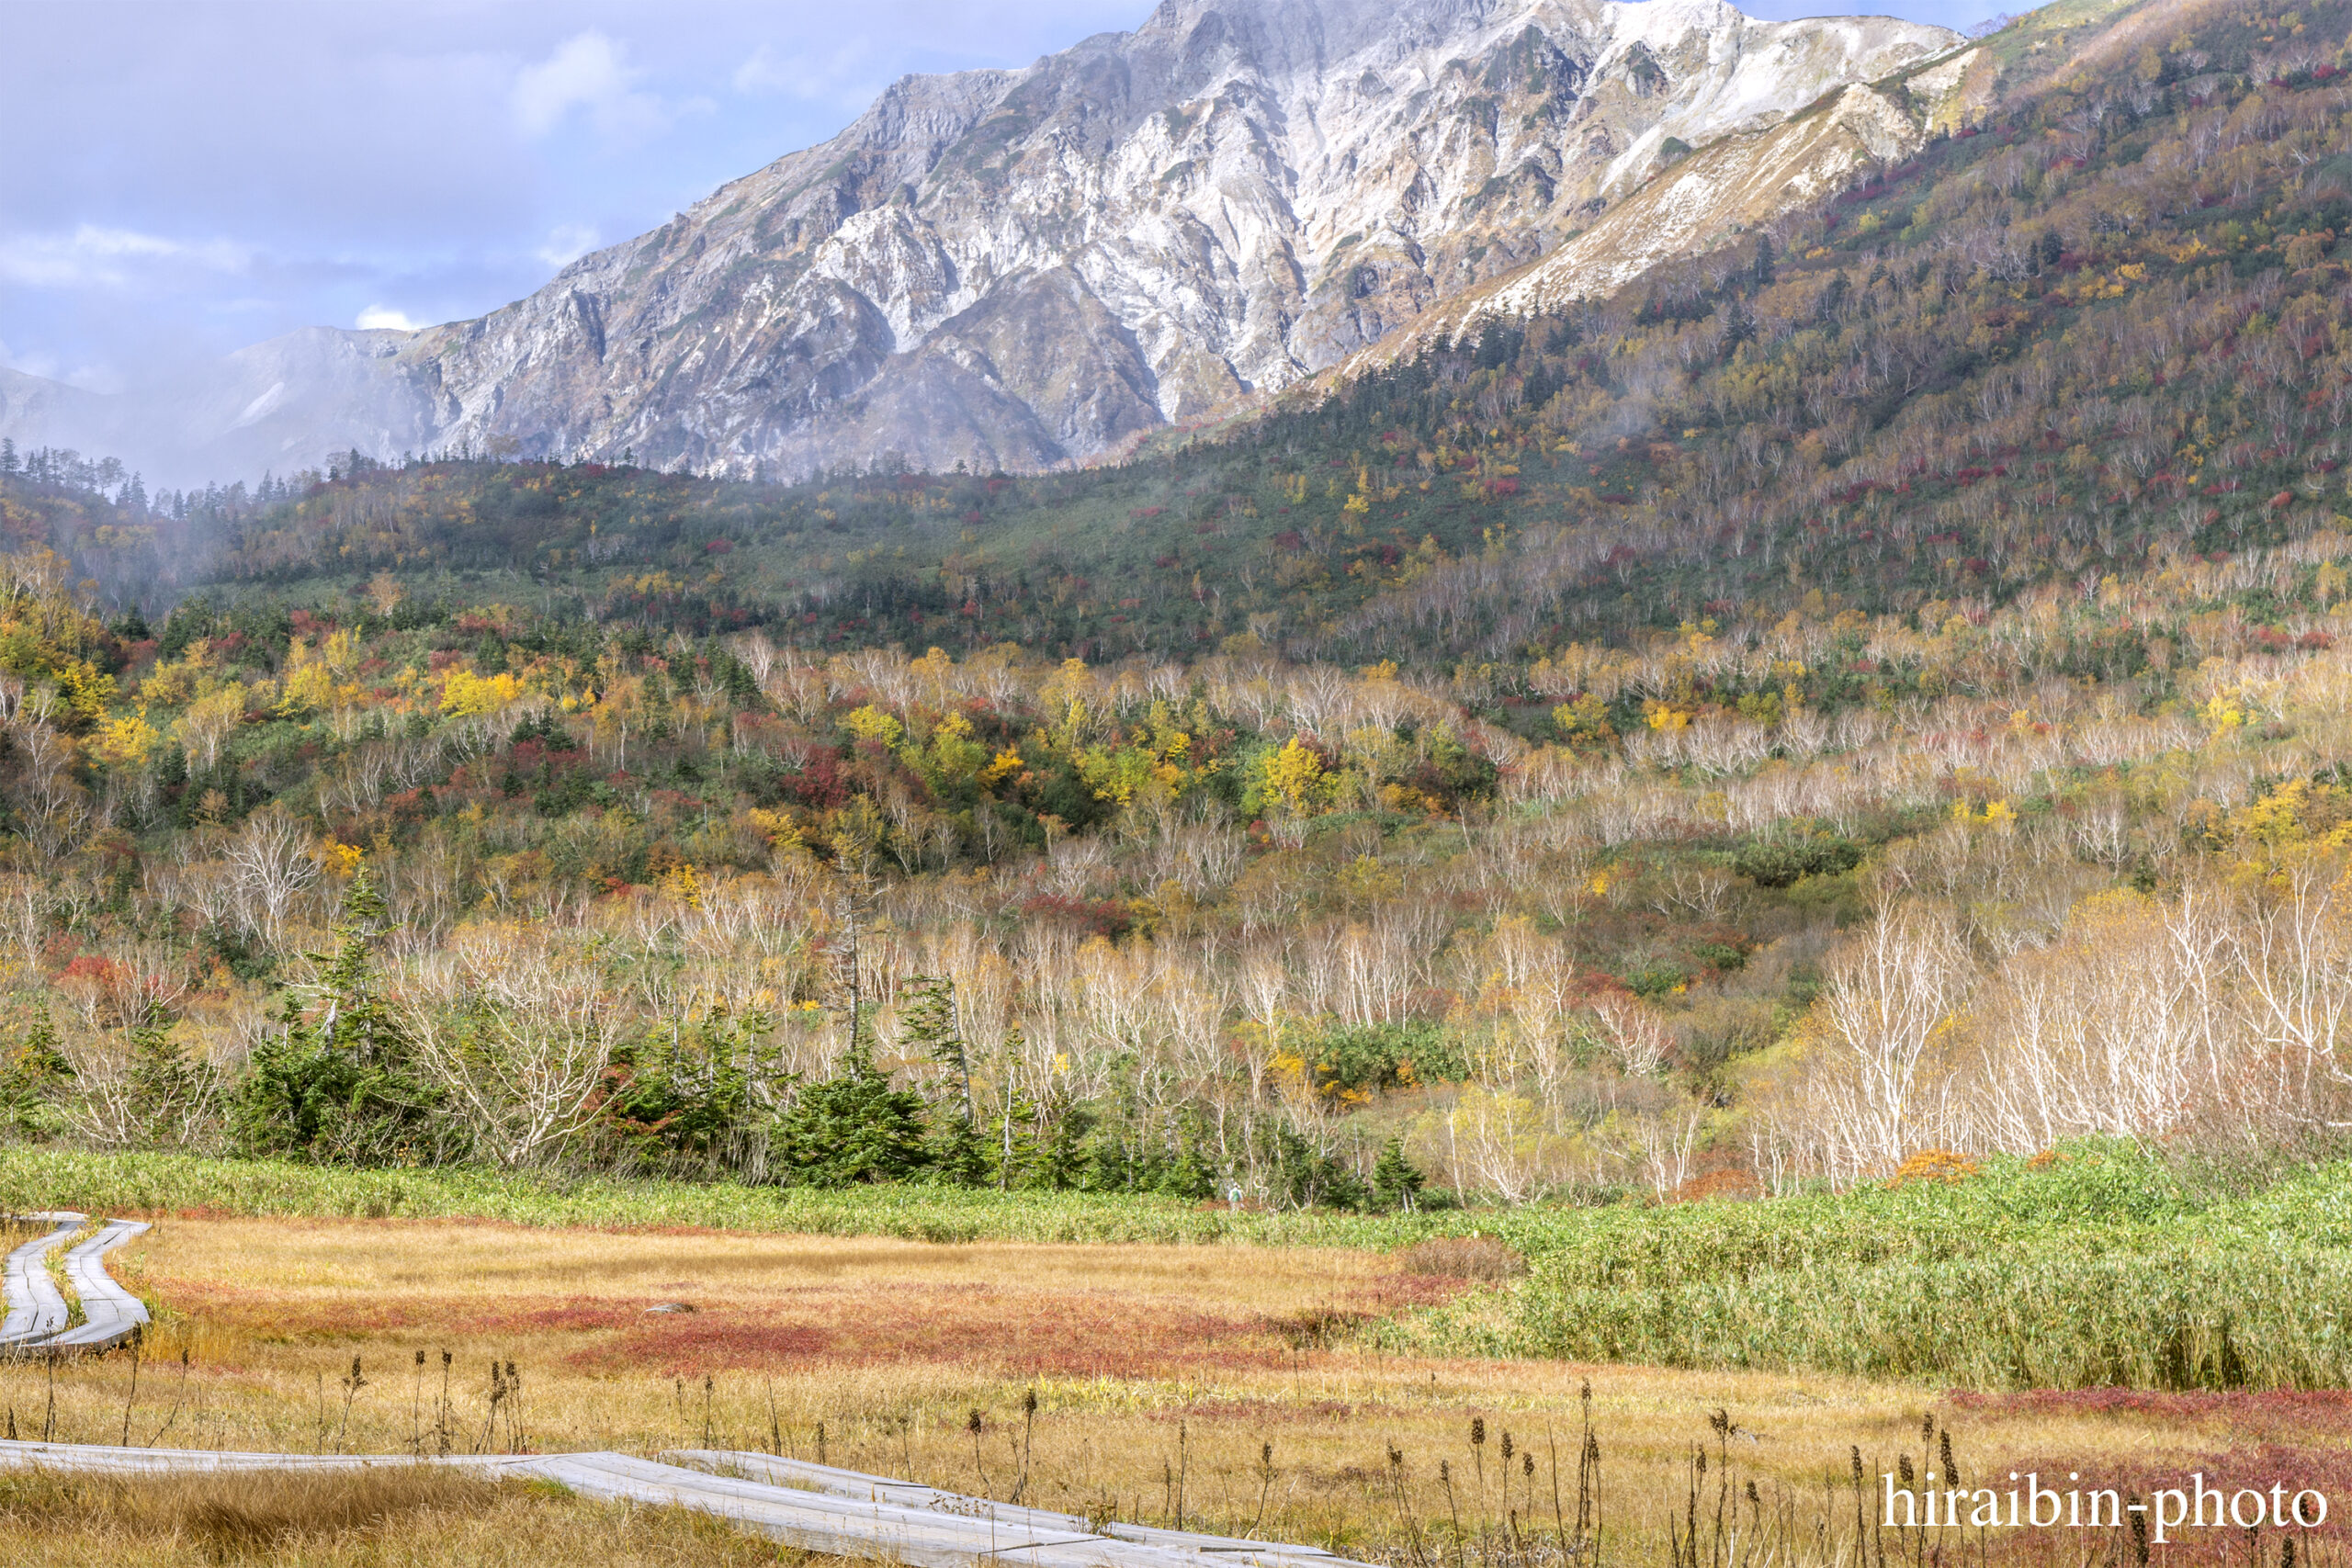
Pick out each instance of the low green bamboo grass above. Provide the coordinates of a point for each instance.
(2097, 1268)
(2176, 1317)
(162, 1183)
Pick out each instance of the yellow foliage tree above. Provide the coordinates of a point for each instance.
(209, 721)
(870, 723)
(465, 693)
(125, 741)
(1293, 777)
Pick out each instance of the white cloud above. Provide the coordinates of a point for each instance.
(762, 72)
(375, 316)
(100, 379)
(43, 365)
(842, 75)
(586, 72)
(96, 257)
(567, 242)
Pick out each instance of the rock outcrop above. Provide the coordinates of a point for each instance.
(1021, 268)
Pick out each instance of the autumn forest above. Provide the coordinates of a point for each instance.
(1880, 693)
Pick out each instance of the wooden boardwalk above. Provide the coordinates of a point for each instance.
(1124, 1543)
(841, 1513)
(36, 1307)
(36, 1320)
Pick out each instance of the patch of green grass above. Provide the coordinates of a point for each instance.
(162, 1183)
(2100, 1268)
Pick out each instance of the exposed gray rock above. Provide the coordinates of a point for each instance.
(1030, 268)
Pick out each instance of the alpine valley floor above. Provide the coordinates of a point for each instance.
(1228, 1388)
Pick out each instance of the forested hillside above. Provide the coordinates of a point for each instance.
(1872, 690)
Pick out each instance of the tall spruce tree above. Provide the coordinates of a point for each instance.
(336, 1085)
(32, 1077)
(929, 1017)
(853, 1127)
(1395, 1180)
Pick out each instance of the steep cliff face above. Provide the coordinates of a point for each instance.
(1035, 266)
(1030, 268)
(1739, 182)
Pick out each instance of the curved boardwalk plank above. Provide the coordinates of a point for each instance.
(35, 1307)
(1196, 1547)
(110, 1313)
(845, 1526)
(849, 1516)
(106, 1460)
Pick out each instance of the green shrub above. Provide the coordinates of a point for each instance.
(1383, 1056)
(1779, 860)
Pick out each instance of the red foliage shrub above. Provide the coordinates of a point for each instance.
(1725, 1183)
(819, 784)
(1105, 917)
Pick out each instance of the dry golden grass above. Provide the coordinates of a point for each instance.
(379, 1519)
(1223, 1382)
(1463, 1257)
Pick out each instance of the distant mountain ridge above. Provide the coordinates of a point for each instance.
(280, 405)
(1023, 269)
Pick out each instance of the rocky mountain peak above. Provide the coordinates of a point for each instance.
(1021, 268)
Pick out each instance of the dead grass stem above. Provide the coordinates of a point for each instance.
(395, 1516)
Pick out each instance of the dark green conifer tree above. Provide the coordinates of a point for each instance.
(1395, 1180)
(336, 1085)
(31, 1078)
(853, 1127)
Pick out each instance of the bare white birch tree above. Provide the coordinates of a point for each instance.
(1889, 998)
(270, 858)
(519, 1034)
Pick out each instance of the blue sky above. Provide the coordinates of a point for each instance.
(185, 177)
